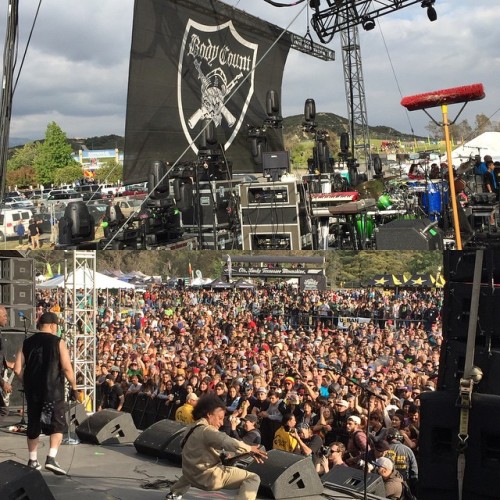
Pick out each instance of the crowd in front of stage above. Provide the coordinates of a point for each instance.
(297, 371)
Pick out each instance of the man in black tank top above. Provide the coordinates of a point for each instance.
(42, 364)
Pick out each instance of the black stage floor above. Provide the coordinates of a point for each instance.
(115, 472)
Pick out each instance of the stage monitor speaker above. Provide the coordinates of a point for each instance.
(409, 234)
(162, 440)
(275, 164)
(75, 413)
(108, 427)
(348, 477)
(287, 475)
(20, 482)
(438, 447)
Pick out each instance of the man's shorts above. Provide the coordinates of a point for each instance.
(57, 423)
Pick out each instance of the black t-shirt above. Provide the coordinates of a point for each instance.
(113, 396)
(33, 229)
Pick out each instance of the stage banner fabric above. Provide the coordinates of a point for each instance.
(197, 59)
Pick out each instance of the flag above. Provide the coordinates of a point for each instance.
(59, 269)
(190, 270)
(49, 274)
(229, 268)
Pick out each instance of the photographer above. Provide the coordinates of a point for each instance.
(330, 457)
(309, 444)
(248, 432)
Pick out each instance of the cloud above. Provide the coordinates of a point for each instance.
(76, 68)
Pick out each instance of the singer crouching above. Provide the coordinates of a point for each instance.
(202, 446)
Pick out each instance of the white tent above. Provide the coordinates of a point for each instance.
(84, 280)
(487, 143)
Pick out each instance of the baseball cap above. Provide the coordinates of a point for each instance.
(385, 462)
(48, 318)
(342, 402)
(355, 419)
(251, 418)
(262, 389)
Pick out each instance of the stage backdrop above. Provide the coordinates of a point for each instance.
(191, 59)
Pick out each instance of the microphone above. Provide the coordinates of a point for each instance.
(466, 93)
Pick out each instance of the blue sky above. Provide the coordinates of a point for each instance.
(76, 68)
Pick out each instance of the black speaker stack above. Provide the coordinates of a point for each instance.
(17, 289)
(441, 412)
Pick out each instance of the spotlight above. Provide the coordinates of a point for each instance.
(431, 11)
(368, 23)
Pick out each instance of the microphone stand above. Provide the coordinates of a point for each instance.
(368, 393)
(22, 424)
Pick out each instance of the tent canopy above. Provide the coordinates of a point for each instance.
(84, 280)
(487, 143)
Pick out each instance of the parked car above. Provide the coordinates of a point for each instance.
(129, 206)
(97, 212)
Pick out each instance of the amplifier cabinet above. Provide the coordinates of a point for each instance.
(226, 240)
(271, 237)
(270, 194)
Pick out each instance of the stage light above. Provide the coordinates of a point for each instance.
(368, 23)
(431, 11)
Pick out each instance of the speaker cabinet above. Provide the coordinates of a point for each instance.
(351, 478)
(439, 428)
(75, 414)
(275, 215)
(20, 482)
(286, 475)
(459, 266)
(271, 237)
(162, 440)
(409, 234)
(15, 269)
(16, 293)
(108, 427)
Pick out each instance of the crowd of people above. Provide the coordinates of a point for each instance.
(306, 372)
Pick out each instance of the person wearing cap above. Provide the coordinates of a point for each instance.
(112, 394)
(403, 458)
(393, 482)
(358, 444)
(202, 467)
(246, 429)
(309, 444)
(42, 364)
(184, 413)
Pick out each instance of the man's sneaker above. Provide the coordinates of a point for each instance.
(34, 464)
(53, 466)
(173, 496)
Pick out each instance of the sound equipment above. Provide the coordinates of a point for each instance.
(225, 239)
(351, 478)
(286, 475)
(20, 482)
(439, 428)
(452, 362)
(409, 234)
(107, 427)
(275, 164)
(162, 440)
(271, 237)
(210, 202)
(275, 215)
(75, 413)
(268, 195)
(459, 266)
(17, 290)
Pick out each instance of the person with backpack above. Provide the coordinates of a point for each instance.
(357, 445)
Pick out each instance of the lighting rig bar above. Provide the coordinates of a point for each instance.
(342, 14)
(303, 44)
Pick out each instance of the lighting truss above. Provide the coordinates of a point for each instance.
(341, 14)
(80, 317)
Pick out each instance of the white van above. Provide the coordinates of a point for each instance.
(9, 219)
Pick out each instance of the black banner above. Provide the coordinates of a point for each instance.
(197, 59)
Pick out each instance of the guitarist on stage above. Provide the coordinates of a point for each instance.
(5, 386)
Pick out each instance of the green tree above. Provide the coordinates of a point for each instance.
(21, 177)
(483, 123)
(111, 172)
(54, 153)
(69, 174)
(24, 157)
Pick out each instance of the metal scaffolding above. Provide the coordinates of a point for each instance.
(80, 311)
(355, 95)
